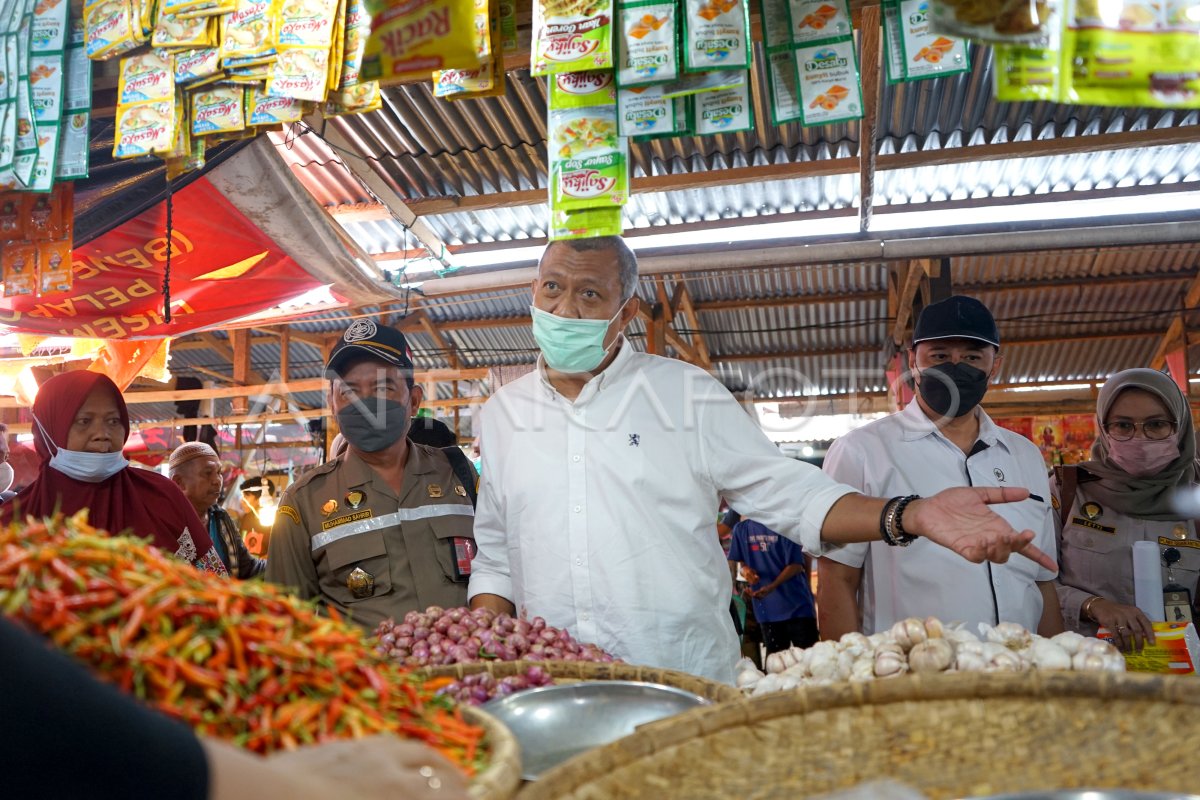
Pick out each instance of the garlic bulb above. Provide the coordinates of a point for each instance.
(823, 663)
(969, 659)
(877, 639)
(1114, 663)
(1088, 662)
(746, 679)
(1009, 634)
(768, 684)
(856, 644)
(1045, 654)
(934, 628)
(774, 664)
(934, 655)
(799, 670)
(909, 632)
(789, 682)
(863, 669)
(960, 636)
(889, 662)
(845, 662)
(790, 657)
(1070, 641)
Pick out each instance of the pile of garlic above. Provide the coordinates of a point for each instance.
(928, 646)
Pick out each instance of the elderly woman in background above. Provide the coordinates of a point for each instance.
(1144, 456)
(80, 425)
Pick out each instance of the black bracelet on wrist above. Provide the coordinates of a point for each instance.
(891, 529)
(903, 537)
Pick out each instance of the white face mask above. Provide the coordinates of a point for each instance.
(83, 466)
(6, 476)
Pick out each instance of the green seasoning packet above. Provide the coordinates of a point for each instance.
(727, 111)
(582, 89)
(1137, 65)
(508, 26)
(1025, 73)
(589, 161)
(648, 112)
(776, 23)
(27, 134)
(585, 224)
(830, 90)
(893, 48)
(815, 21)
(927, 54)
(784, 87)
(716, 35)
(571, 37)
(705, 82)
(647, 43)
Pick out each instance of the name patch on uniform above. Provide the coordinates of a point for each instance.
(290, 513)
(346, 520)
(1167, 541)
(1096, 526)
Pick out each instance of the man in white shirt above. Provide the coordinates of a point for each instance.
(941, 440)
(603, 469)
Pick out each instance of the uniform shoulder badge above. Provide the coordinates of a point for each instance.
(1055, 502)
(434, 490)
(459, 490)
(290, 513)
(1092, 510)
(330, 506)
(355, 498)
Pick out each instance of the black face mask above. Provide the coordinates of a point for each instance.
(371, 427)
(952, 389)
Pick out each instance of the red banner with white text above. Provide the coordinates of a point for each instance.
(222, 268)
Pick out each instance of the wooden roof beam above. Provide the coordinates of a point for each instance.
(688, 309)
(908, 280)
(1173, 339)
(870, 46)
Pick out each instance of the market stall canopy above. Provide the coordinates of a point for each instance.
(246, 236)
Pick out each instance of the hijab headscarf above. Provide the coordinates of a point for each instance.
(135, 501)
(1150, 497)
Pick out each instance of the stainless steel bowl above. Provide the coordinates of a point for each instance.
(553, 723)
(1093, 794)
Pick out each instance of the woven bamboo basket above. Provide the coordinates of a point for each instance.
(951, 735)
(570, 671)
(502, 776)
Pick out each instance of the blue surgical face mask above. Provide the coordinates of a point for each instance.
(83, 466)
(571, 345)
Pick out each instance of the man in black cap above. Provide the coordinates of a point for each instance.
(386, 528)
(942, 439)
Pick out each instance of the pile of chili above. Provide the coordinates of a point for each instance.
(239, 661)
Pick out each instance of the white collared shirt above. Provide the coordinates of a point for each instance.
(906, 454)
(600, 514)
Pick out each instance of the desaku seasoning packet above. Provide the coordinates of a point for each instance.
(830, 90)
(589, 160)
(716, 35)
(647, 43)
(572, 36)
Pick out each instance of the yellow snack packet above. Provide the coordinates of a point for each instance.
(146, 76)
(218, 109)
(211, 10)
(265, 109)
(196, 65)
(249, 32)
(357, 27)
(413, 38)
(337, 47)
(20, 260)
(301, 73)
(144, 128)
(307, 23)
(110, 29)
(172, 32)
(357, 99)
(54, 266)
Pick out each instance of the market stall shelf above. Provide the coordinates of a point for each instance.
(569, 671)
(957, 735)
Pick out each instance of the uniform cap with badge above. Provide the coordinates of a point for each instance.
(365, 337)
(957, 317)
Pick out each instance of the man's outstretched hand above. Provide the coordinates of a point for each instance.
(960, 520)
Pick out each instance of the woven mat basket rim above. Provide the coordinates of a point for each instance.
(590, 671)
(579, 772)
(502, 776)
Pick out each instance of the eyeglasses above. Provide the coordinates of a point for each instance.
(1154, 429)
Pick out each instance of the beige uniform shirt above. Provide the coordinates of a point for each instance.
(1095, 554)
(343, 535)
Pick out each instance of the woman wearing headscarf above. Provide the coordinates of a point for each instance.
(80, 425)
(1144, 455)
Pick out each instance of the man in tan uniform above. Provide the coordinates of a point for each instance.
(385, 528)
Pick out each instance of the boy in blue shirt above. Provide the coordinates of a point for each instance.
(779, 585)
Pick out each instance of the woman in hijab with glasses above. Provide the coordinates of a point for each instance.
(1144, 456)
